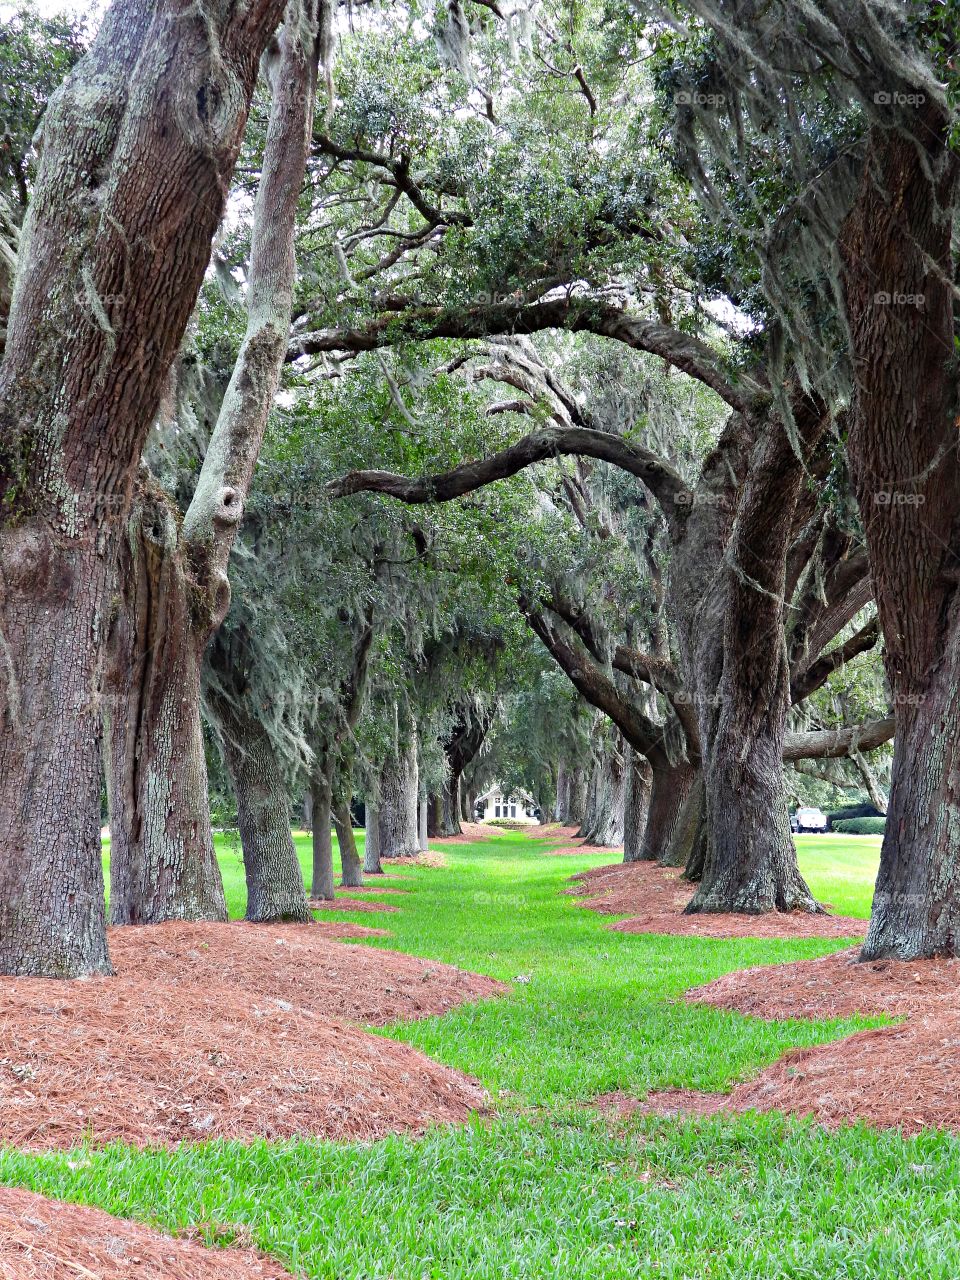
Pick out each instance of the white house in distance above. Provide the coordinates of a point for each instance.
(515, 805)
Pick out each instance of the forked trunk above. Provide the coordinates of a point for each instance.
(131, 183)
(162, 860)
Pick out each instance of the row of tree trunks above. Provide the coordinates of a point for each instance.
(571, 802)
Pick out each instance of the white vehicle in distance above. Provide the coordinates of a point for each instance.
(808, 820)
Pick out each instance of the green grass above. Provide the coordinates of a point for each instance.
(548, 1189)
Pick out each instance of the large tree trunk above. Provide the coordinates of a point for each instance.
(736, 654)
(603, 823)
(138, 148)
(398, 801)
(422, 837)
(52, 912)
(275, 889)
(902, 447)
(636, 805)
(670, 786)
(162, 860)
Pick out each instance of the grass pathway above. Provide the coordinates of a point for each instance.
(549, 1189)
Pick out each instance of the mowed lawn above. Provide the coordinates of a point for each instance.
(548, 1188)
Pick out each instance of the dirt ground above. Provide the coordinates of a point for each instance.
(235, 1031)
(43, 1239)
(901, 1077)
(655, 897)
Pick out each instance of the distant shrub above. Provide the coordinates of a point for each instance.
(511, 824)
(860, 826)
(845, 811)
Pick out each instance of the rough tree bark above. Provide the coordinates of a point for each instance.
(351, 867)
(636, 805)
(398, 795)
(371, 850)
(737, 652)
(138, 147)
(275, 889)
(670, 787)
(197, 557)
(902, 447)
(604, 820)
(162, 860)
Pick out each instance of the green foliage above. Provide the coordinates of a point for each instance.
(36, 53)
(860, 826)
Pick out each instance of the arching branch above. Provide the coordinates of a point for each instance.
(820, 744)
(660, 478)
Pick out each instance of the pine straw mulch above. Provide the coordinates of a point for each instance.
(43, 1239)
(581, 847)
(470, 833)
(552, 831)
(350, 904)
(227, 1031)
(903, 1077)
(655, 897)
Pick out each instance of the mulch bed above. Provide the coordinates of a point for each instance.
(902, 1077)
(350, 904)
(570, 850)
(43, 1239)
(470, 833)
(654, 897)
(232, 1031)
(553, 831)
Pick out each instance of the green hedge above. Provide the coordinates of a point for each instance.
(860, 826)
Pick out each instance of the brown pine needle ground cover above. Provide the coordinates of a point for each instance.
(470, 833)
(44, 1239)
(901, 1077)
(350, 904)
(655, 897)
(233, 1031)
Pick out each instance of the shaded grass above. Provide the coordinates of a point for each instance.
(549, 1188)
